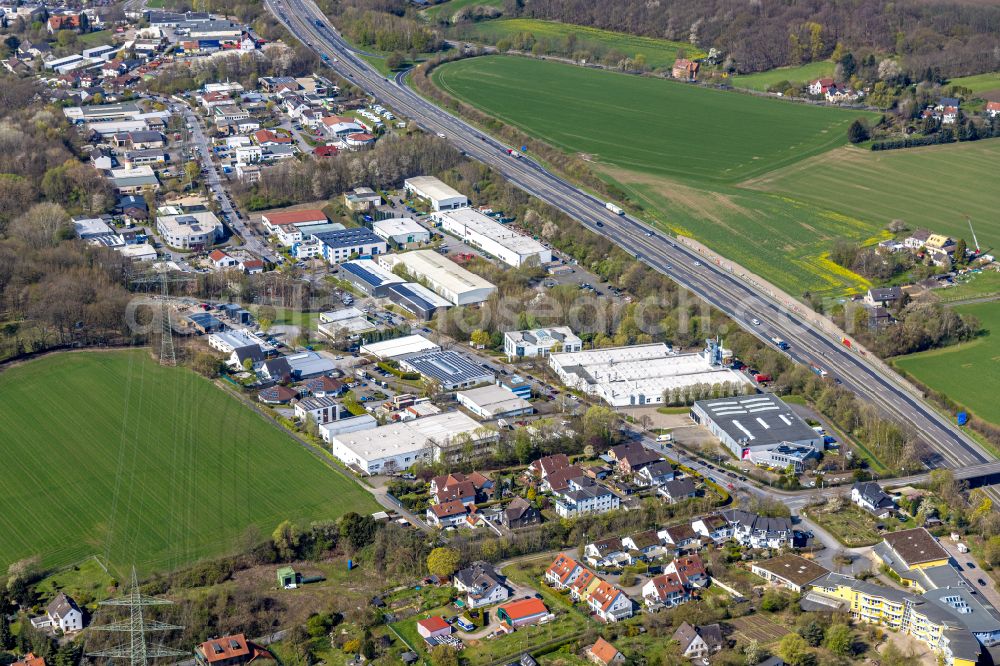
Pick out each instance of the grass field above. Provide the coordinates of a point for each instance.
(978, 83)
(976, 285)
(933, 187)
(800, 74)
(157, 466)
(968, 373)
(659, 53)
(644, 124)
(446, 10)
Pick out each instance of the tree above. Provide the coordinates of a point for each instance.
(205, 364)
(6, 638)
(812, 632)
(774, 601)
(961, 247)
(857, 132)
(287, 537)
(444, 655)
(358, 530)
(840, 639)
(193, 171)
(598, 423)
(394, 60)
(480, 338)
(753, 653)
(443, 561)
(794, 650)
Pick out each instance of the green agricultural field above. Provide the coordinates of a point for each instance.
(984, 284)
(111, 453)
(934, 187)
(659, 53)
(968, 373)
(978, 83)
(800, 74)
(445, 10)
(646, 125)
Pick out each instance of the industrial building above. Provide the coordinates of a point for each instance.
(401, 230)
(540, 342)
(189, 231)
(443, 276)
(488, 235)
(345, 244)
(440, 195)
(399, 445)
(343, 323)
(417, 299)
(369, 277)
(754, 424)
(641, 374)
(493, 402)
(449, 369)
(408, 344)
(103, 112)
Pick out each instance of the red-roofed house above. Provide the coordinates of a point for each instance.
(222, 260)
(265, 137)
(433, 627)
(664, 591)
(993, 109)
(609, 603)
(447, 514)
(522, 613)
(226, 651)
(325, 151)
(252, 266)
(549, 464)
(563, 571)
(685, 70)
(30, 660)
(282, 223)
(690, 569)
(821, 86)
(603, 652)
(65, 22)
(210, 100)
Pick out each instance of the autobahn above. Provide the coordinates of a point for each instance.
(740, 300)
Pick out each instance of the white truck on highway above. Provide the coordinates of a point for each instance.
(614, 209)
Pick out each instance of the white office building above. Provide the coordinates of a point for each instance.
(493, 402)
(444, 277)
(540, 342)
(189, 231)
(640, 374)
(440, 195)
(401, 230)
(488, 235)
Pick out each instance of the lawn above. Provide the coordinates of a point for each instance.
(91, 39)
(934, 187)
(666, 128)
(798, 74)
(978, 83)
(981, 284)
(659, 53)
(113, 454)
(850, 525)
(968, 373)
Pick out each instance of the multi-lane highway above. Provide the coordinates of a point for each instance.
(741, 300)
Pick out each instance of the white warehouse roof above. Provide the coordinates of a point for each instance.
(407, 436)
(492, 237)
(446, 277)
(409, 344)
(433, 188)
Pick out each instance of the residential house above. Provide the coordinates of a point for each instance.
(57, 22)
(522, 613)
(222, 260)
(685, 70)
(461, 491)
(917, 239)
(583, 497)
(632, 457)
(61, 614)
(655, 475)
(604, 653)
(239, 356)
(324, 387)
(821, 86)
(648, 544)
(318, 410)
(665, 591)
(277, 395)
(870, 497)
(519, 513)
(698, 642)
(232, 650)
(30, 660)
(993, 109)
(482, 584)
(432, 627)
(252, 266)
(549, 464)
(563, 571)
(940, 249)
(879, 317)
(447, 514)
(679, 537)
(690, 569)
(609, 603)
(362, 199)
(266, 137)
(457, 485)
(883, 296)
(584, 584)
(677, 490)
(715, 527)
(559, 480)
(610, 552)
(756, 531)
(788, 570)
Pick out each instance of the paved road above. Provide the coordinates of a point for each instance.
(740, 300)
(251, 241)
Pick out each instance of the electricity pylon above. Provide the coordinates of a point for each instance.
(136, 650)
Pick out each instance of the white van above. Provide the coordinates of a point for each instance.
(665, 438)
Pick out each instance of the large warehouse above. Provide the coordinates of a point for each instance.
(493, 402)
(440, 195)
(639, 375)
(401, 230)
(417, 299)
(408, 344)
(449, 369)
(369, 277)
(754, 424)
(443, 276)
(399, 445)
(499, 240)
